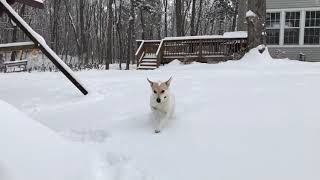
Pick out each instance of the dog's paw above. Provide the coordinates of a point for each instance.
(156, 131)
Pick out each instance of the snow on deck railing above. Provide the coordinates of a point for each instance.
(159, 48)
(140, 47)
(236, 34)
(7, 45)
(15, 62)
(150, 41)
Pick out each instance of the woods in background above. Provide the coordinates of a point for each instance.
(104, 31)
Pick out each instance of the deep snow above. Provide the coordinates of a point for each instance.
(257, 118)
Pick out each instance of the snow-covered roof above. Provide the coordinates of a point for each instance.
(7, 45)
(236, 34)
(14, 62)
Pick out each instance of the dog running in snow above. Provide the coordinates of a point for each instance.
(162, 103)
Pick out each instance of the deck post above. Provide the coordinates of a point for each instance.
(200, 50)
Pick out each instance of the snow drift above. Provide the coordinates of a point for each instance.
(30, 151)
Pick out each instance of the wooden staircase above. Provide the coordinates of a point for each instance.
(148, 62)
(146, 55)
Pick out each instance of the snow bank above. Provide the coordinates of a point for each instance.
(254, 56)
(174, 63)
(30, 151)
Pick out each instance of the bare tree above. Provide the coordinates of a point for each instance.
(165, 4)
(178, 11)
(199, 16)
(235, 14)
(15, 31)
(193, 16)
(242, 9)
(119, 34)
(109, 35)
(256, 21)
(131, 36)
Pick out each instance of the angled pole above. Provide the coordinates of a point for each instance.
(42, 45)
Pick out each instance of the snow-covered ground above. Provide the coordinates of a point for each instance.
(257, 118)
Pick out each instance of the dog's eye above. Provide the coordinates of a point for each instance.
(165, 97)
(162, 91)
(155, 92)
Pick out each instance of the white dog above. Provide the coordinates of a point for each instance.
(162, 103)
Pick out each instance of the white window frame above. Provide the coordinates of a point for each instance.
(302, 25)
(277, 28)
(310, 27)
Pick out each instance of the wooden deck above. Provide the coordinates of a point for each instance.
(200, 49)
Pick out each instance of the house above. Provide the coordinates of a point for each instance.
(293, 29)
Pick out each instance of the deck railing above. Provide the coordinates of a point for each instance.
(203, 49)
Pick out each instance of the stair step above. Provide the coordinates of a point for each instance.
(149, 61)
(148, 64)
(150, 56)
(147, 67)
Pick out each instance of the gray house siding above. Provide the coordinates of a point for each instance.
(311, 53)
(286, 4)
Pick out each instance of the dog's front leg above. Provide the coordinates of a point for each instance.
(161, 122)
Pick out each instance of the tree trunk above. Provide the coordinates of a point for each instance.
(199, 17)
(243, 7)
(82, 32)
(109, 34)
(130, 55)
(256, 28)
(235, 14)
(178, 8)
(142, 24)
(15, 31)
(165, 2)
(74, 28)
(119, 27)
(14, 39)
(193, 16)
(133, 37)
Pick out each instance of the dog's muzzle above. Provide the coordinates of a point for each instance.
(158, 100)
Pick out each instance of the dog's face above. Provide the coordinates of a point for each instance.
(160, 91)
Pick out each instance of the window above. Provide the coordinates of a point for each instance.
(273, 28)
(312, 28)
(292, 28)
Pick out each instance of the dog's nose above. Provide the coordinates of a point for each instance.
(158, 100)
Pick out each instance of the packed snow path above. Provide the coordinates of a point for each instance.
(252, 119)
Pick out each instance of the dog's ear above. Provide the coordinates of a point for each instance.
(168, 82)
(151, 83)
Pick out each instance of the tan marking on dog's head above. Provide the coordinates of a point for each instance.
(160, 87)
